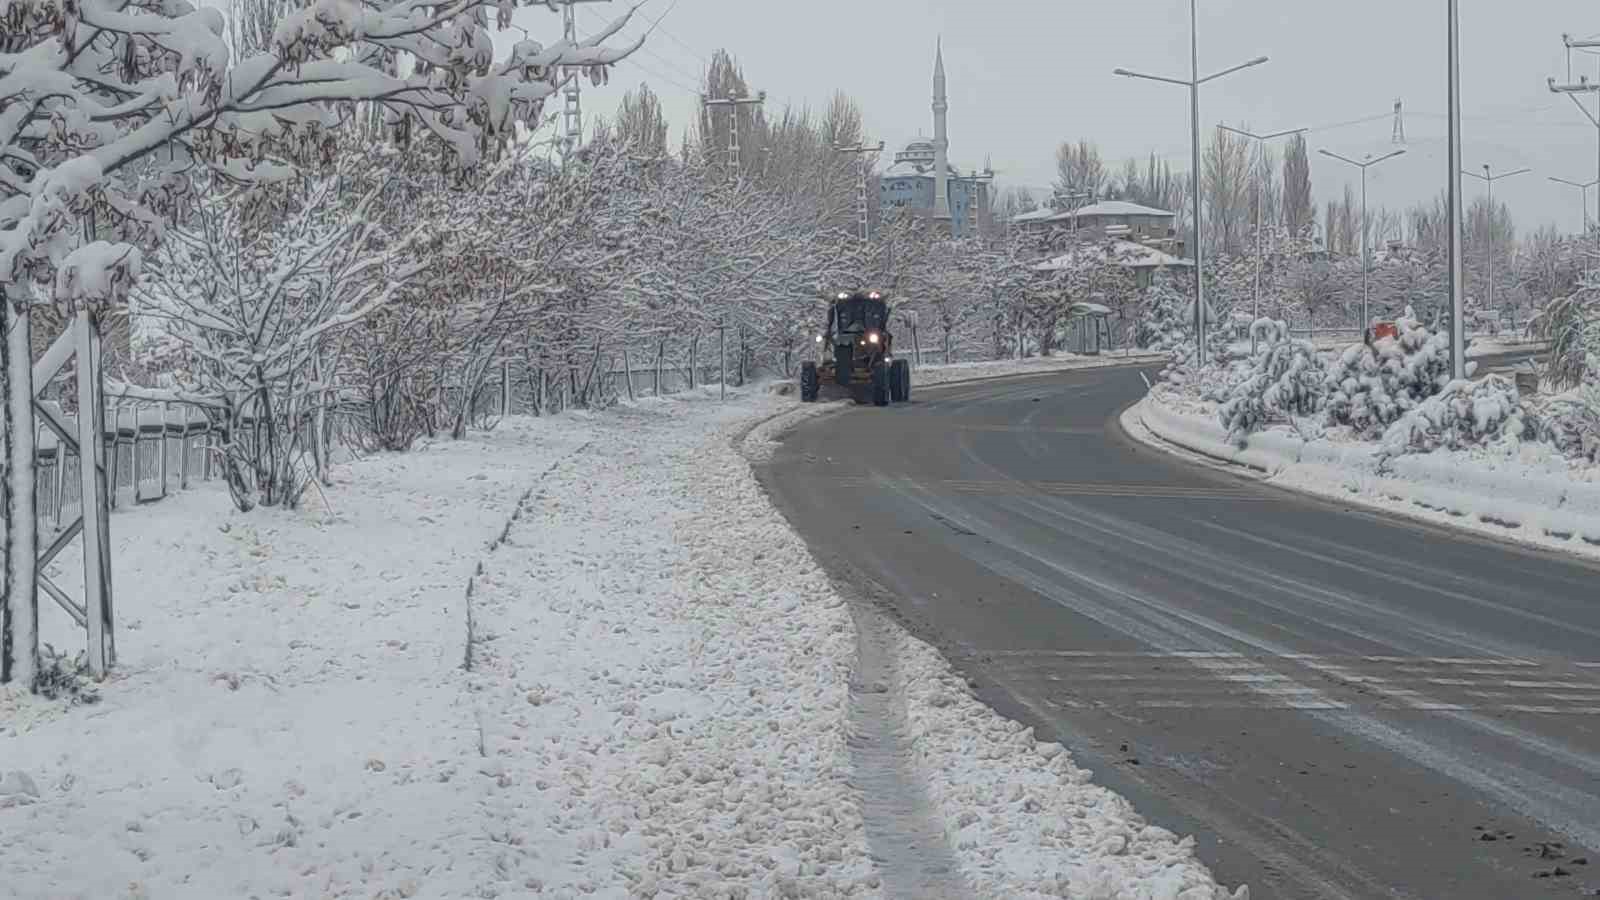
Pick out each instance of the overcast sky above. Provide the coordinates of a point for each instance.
(1026, 74)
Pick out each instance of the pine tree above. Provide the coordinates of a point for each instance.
(1162, 324)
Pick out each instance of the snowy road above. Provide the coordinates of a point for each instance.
(1336, 704)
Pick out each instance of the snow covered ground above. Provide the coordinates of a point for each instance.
(1529, 494)
(658, 701)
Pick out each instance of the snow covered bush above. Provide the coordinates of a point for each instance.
(1286, 378)
(1572, 326)
(1465, 414)
(1373, 385)
(1571, 422)
(259, 308)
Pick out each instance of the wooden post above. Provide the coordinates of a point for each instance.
(694, 358)
(19, 605)
(722, 360)
(916, 346)
(627, 371)
(661, 358)
(92, 491)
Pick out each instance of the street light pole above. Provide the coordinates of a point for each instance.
(1365, 164)
(1489, 179)
(1261, 166)
(1193, 84)
(1458, 310)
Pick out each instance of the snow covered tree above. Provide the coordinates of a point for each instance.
(1373, 385)
(1286, 378)
(258, 310)
(1572, 325)
(1162, 324)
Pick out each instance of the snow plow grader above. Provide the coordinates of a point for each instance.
(855, 355)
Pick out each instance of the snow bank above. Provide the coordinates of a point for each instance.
(1531, 494)
(1023, 820)
(930, 375)
(663, 678)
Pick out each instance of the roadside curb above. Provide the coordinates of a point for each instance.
(1525, 506)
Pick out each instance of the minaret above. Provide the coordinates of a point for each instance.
(941, 139)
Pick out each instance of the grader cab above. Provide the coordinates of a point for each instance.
(855, 355)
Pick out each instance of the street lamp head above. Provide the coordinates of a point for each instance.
(1128, 74)
(1257, 61)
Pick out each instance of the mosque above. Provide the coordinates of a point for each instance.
(923, 183)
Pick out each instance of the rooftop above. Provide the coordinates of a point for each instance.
(1103, 208)
(1124, 253)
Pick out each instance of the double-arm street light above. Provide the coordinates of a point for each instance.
(1585, 189)
(1368, 162)
(1489, 179)
(1261, 165)
(1193, 84)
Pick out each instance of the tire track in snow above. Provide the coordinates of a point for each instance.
(908, 842)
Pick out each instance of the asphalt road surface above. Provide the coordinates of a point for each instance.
(1334, 702)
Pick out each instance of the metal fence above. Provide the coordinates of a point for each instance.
(151, 450)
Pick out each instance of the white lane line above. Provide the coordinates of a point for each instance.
(1453, 660)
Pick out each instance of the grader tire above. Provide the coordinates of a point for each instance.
(880, 384)
(810, 384)
(900, 381)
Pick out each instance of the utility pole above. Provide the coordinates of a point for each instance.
(1458, 304)
(1364, 165)
(733, 103)
(1584, 86)
(1074, 204)
(572, 113)
(864, 165)
(1489, 179)
(1261, 165)
(1193, 84)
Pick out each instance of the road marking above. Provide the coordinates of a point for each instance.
(1202, 680)
(1068, 489)
(1024, 429)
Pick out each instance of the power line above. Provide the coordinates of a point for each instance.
(675, 67)
(693, 92)
(656, 26)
